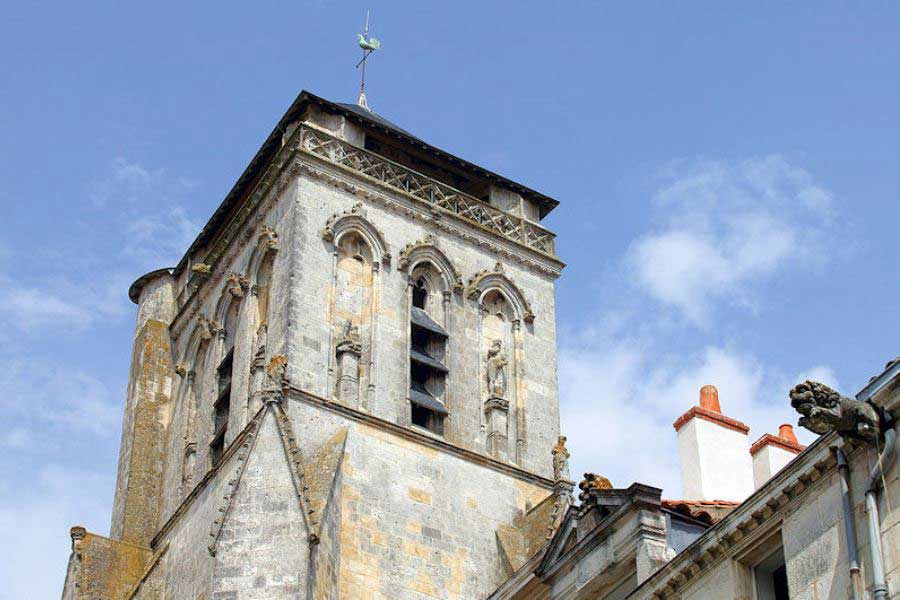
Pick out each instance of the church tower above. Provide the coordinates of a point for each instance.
(347, 387)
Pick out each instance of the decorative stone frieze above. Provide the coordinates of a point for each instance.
(456, 229)
(427, 250)
(355, 219)
(486, 279)
(436, 194)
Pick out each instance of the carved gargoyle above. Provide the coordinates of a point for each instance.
(824, 409)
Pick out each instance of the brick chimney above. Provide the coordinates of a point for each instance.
(713, 450)
(771, 453)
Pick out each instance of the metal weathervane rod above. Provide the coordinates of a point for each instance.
(368, 45)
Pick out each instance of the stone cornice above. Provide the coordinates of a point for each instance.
(361, 185)
(293, 160)
(631, 499)
(437, 195)
(297, 394)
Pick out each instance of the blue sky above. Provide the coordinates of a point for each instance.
(727, 176)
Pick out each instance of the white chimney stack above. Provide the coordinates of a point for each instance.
(714, 452)
(771, 453)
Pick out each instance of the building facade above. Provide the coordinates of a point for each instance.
(347, 388)
(347, 384)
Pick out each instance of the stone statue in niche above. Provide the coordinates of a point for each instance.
(497, 362)
(560, 459)
(349, 340)
(349, 351)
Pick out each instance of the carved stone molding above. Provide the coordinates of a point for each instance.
(247, 446)
(460, 230)
(427, 249)
(232, 242)
(486, 279)
(237, 284)
(205, 327)
(77, 533)
(355, 219)
(441, 198)
(267, 239)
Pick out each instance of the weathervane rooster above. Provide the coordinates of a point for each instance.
(368, 45)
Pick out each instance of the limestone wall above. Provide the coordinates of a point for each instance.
(303, 321)
(414, 522)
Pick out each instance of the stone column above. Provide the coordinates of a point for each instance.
(349, 352)
(496, 412)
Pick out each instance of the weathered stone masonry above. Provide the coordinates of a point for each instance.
(315, 409)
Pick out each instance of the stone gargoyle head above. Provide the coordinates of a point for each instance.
(824, 409)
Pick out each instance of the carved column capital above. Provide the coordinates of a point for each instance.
(237, 284)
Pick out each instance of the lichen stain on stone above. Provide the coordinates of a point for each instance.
(109, 568)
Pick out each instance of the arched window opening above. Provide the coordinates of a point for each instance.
(351, 318)
(263, 293)
(192, 398)
(427, 373)
(222, 406)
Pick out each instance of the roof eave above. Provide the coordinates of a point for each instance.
(272, 145)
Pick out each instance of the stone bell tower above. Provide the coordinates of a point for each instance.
(346, 388)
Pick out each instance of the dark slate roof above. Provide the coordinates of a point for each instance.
(421, 396)
(375, 117)
(272, 145)
(368, 117)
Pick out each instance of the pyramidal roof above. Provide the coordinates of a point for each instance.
(367, 119)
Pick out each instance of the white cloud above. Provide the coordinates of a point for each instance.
(28, 308)
(619, 404)
(820, 373)
(160, 239)
(724, 226)
(126, 182)
(45, 393)
(142, 218)
(38, 517)
(722, 230)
